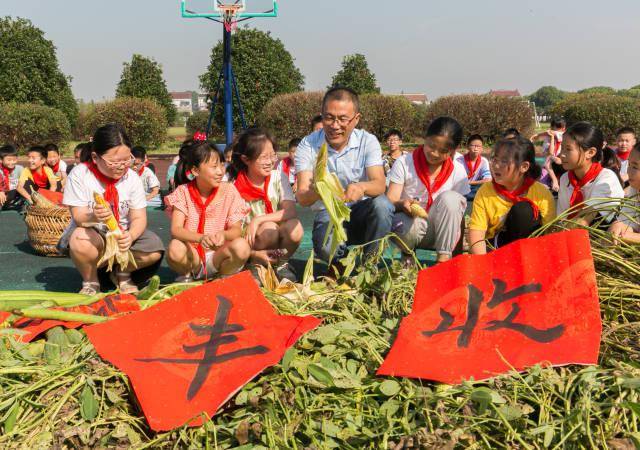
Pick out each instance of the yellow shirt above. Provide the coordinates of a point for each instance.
(490, 209)
(26, 175)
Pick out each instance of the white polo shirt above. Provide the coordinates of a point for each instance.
(605, 185)
(404, 173)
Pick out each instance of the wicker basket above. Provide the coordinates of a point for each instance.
(45, 227)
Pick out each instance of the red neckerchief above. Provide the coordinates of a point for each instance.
(110, 192)
(141, 170)
(623, 156)
(472, 170)
(250, 193)
(40, 178)
(517, 196)
(577, 196)
(56, 168)
(422, 169)
(194, 193)
(286, 165)
(6, 177)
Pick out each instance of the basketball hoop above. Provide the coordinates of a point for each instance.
(229, 13)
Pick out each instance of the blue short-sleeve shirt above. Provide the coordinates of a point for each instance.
(362, 151)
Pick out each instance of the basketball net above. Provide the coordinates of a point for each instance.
(229, 13)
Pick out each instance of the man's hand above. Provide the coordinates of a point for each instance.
(3, 198)
(353, 193)
(102, 213)
(124, 241)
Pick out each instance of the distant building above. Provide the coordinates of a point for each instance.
(182, 101)
(506, 93)
(416, 99)
(202, 103)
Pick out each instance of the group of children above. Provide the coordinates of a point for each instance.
(230, 211)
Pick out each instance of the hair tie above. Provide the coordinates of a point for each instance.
(190, 176)
(199, 136)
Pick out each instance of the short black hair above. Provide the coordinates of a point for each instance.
(316, 120)
(341, 93)
(139, 152)
(519, 150)
(51, 148)
(8, 150)
(294, 142)
(587, 136)
(38, 149)
(393, 132)
(625, 130)
(475, 137)
(511, 132)
(557, 123)
(448, 127)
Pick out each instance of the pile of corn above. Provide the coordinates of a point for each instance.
(325, 394)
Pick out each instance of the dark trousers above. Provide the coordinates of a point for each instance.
(14, 201)
(519, 224)
(370, 220)
(30, 186)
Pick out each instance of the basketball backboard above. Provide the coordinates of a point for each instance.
(218, 8)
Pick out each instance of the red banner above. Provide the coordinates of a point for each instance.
(191, 353)
(534, 301)
(111, 305)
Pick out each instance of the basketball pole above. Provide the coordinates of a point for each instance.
(230, 85)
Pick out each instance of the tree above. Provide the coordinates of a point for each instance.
(29, 70)
(546, 97)
(142, 78)
(355, 74)
(598, 90)
(263, 68)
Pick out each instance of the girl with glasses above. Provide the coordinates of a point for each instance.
(272, 228)
(514, 204)
(108, 173)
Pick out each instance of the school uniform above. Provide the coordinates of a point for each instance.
(43, 179)
(80, 187)
(605, 185)
(477, 170)
(288, 167)
(629, 212)
(504, 221)
(441, 229)
(9, 182)
(278, 191)
(149, 182)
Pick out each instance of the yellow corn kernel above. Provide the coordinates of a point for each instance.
(418, 211)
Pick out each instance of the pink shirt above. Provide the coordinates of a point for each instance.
(225, 210)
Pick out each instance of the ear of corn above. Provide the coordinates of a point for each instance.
(418, 211)
(112, 254)
(41, 201)
(331, 192)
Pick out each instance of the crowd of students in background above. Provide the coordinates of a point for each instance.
(235, 209)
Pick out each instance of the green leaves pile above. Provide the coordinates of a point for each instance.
(324, 393)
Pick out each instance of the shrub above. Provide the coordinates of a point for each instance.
(607, 112)
(144, 120)
(289, 116)
(26, 124)
(486, 115)
(380, 113)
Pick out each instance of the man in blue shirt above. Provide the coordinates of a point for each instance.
(355, 156)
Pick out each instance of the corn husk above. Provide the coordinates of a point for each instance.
(41, 201)
(418, 211)
(328, 187)
(112, 254)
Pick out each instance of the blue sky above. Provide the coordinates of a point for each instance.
(432, 47)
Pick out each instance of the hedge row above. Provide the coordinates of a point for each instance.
(27, 124)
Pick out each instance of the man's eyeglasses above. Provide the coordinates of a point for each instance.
(115, 164)
(328, 119)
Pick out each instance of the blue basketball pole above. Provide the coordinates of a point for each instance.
(228, 92)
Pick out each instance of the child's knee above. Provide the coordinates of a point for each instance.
(85, 241)
(177, 250)
(451, 202)
(239, 248)
(292, 229)
(267, 235)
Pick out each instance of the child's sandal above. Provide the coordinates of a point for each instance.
(90, 288)
(125, 284)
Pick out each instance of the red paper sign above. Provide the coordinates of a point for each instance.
(109, 306)
(534, 301)
(191, 353)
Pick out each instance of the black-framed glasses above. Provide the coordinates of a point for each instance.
(328, 119)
